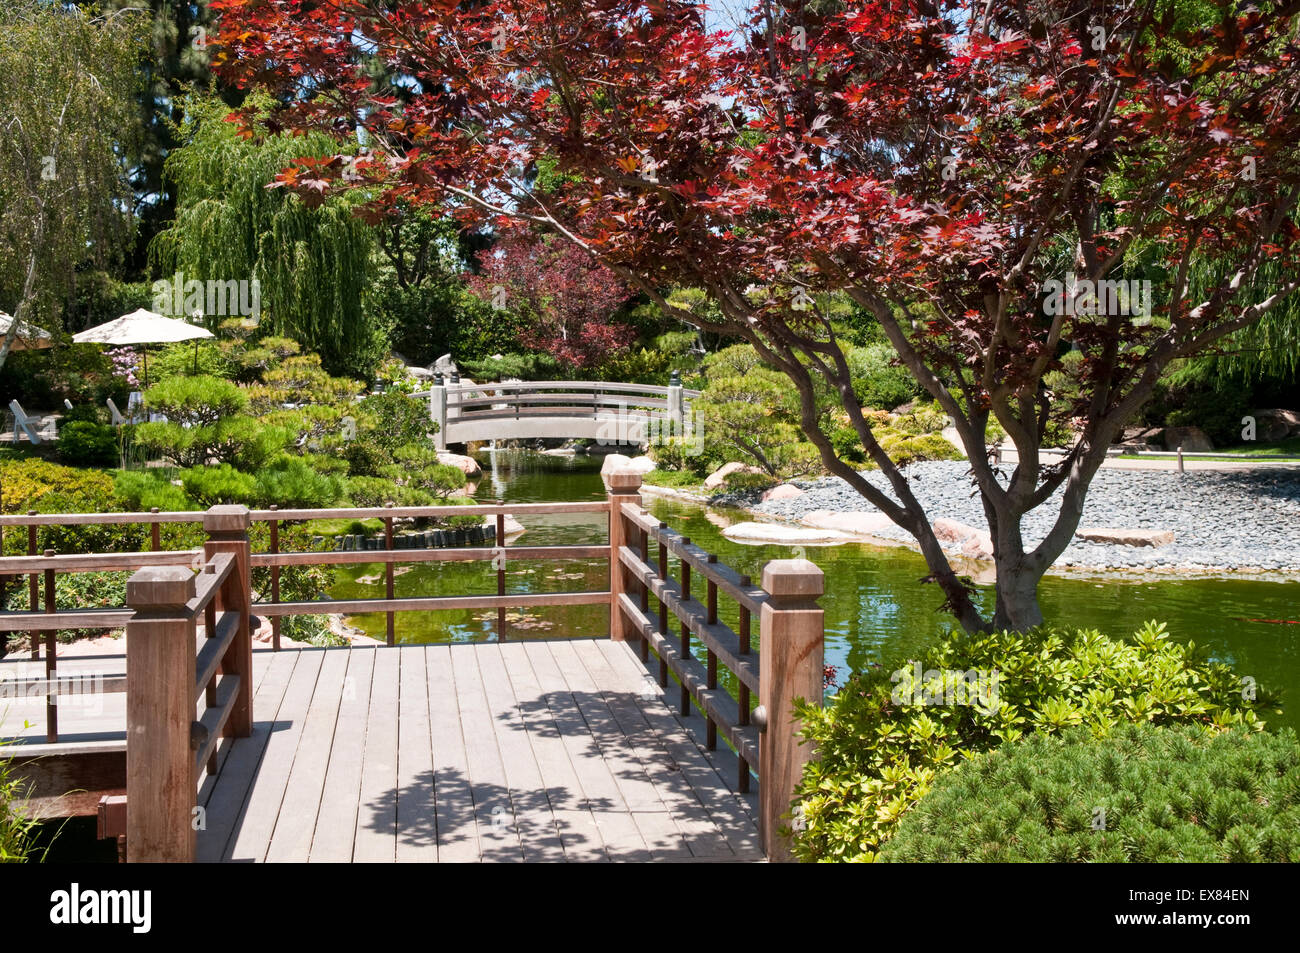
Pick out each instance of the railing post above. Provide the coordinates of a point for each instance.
(160, 782)
(676, 411)
(227, 529)
(438, 411)
(791, 647)
(621, 486)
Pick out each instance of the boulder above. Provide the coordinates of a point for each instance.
(1191, 439)
(1126, 537)
(642, 464)
(444, 366)
(971, 541)
(852, 523)
(1276, 424)
(467, 465)
(786, 491)
(718, 478)
(782, 533)
(615, 461)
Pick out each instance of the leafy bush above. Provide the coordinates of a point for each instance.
(195, 401)
(1141, 795)
(750, 481)
(77, 590)
(904, 449)
(220, 484)
(365, 458)
(396, 419)
(144, 489)
(922, 419)
(877, 381)
(87, 444)
(879, 752)
(45, 487)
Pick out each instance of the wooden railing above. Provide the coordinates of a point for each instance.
(791, 631)
(165, 598)
(168, 749)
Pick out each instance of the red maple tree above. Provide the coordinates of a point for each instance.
(567, 296)
(943, 162)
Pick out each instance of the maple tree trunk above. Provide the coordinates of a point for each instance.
(1017, 606)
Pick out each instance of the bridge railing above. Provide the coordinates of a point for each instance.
(459, 408)
(165, 598)
(788, 665)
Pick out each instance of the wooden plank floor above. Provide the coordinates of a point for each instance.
(522, 751)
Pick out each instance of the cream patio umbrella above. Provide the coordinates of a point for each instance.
(28, 338)
(141, 327)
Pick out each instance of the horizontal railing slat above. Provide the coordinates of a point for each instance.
(59, 621)
(93, 519)
(100, 562)
(456, 554)
(431, 603)
(74, 684)
(429, 512)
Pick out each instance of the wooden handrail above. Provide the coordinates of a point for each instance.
(791, 645)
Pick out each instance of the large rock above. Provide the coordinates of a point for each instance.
(615, 461)
(642, 464)
(782, 533)
(467, 465)
(512, 526)
(718, 477)
(444, 366)
(1276, 424)
(1191, 439)
(1126, 537)
(970, 540)
(854, 524)
(786, 491)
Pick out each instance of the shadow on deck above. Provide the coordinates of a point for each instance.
(521, 751)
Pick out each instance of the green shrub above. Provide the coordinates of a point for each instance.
(878, 752)
(672, 478)
(378, 491)
(922, 419)
(1139, 795)
(87, 444)
(220, 484)
(904, 449)
(395, 419)
(293, 482)
(144, 489)
(743, 481)
(46, 487)
(195, 401)
(365, 458)
(877, 381)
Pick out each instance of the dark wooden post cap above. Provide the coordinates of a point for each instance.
(226, 519)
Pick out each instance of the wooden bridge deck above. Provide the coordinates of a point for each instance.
(524, 751)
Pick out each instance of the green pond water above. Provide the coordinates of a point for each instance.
(876, 610)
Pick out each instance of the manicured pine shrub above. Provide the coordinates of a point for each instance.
(88, 444)
(1141, 794)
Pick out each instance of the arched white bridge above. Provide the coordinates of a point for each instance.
(609, 413)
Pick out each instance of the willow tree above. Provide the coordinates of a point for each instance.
(68, 80)
(314, 264)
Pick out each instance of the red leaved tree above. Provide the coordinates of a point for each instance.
(949, 164)
(567, 297)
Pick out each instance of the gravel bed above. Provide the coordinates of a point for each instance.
(1221, 520)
